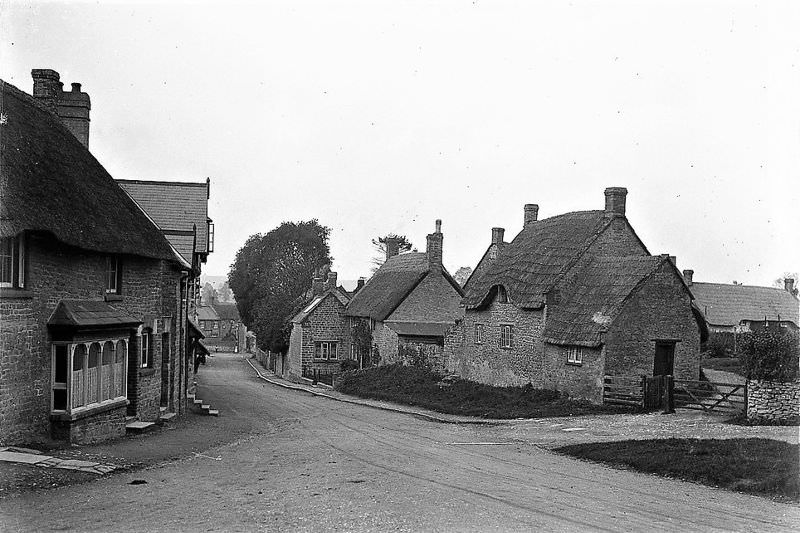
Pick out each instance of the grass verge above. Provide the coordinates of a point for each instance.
(728, 364)
(763, 467)
(415, 386)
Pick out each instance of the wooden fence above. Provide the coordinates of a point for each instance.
(664, 392)
(318, 376)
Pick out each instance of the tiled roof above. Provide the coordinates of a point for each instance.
(50, 182)
(86, 313)
(727, 305)
(314, 303)
(591, 299)
(532, 263)
(174, 207)
(206, 312)
(226, 311)
(389, 286)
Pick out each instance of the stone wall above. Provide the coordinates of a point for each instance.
(56, 272)
(326, 322)
(386, 340)
(773, 400)
(579, 380)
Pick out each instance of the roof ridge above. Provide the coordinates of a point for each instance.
(780, 289)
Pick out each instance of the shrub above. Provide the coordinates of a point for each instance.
(770, 355)
(348, 365)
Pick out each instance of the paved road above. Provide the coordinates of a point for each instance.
(312, 464)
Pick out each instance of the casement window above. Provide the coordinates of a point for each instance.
(113, 276)
(502, 295)
(146, 348)
(478, 333)
(506, 336)
(85, 375)
(575, 355)
(326, 350)
(215, 328)
(12, 261)
(210, 237)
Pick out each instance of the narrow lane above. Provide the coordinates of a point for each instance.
(299, 462)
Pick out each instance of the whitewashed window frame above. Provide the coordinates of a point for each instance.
(575, 355)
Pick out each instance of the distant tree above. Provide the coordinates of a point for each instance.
(462, 275)
(779, 281)
(272, 272)
(379, 246)
(224, 294)
(208, 294)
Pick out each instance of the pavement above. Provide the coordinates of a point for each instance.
(279, 459)
(35, 458)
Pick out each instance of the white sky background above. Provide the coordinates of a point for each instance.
(378, 117)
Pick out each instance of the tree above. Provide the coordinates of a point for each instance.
(462, 275)
(224, 294)
(770, 354)
(379, 244)
(270, 275)
(208, 294)
(786, 275)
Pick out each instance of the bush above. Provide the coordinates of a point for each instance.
(348, 365)
(770, 355)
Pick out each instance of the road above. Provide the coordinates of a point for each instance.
(304, 463)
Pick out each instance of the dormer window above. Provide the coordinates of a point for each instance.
(502, 296)
(113, 275)
(12, 262)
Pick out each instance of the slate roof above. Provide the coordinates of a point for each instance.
(227, 311)
(727, 305)
(51, 183)
(389, 286)
(90, 313)
(174, 206)
(531, 264)
(307, 309)
(592, 298)
(206, 312)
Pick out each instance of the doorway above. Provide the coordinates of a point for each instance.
(664, 362)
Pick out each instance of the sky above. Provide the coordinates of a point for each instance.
(381, 117)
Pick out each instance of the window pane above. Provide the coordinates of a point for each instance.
(6, 259)
(120, 351)
(61, 364)
(60, 399)
(94, 355)
(78, 357)
(108, 353)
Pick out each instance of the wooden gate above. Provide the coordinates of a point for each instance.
(711, 396)
(623, 390)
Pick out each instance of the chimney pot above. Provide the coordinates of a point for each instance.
(498, 235)
(788, 284)
(360, 284)
(76, 87)
(687, 276)
(615, 201)
(531, 213)
(332, 279)
(71, 107)
(438, 225)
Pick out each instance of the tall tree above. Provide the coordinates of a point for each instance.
(379, 246)
(208, 294)
(224, 294)
(786, 275)
(271, 272)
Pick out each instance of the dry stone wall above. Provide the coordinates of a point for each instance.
(773, 400)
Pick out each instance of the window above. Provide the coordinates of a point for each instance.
(12, 261)
(506, 336)
(478, 333)
(502, 296)
(146, 346)
(88, 374)
(214, 328)
(210, 236)
(575, 355)
(113, 276)
(326, 351)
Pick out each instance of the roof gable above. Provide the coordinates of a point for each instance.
(389, 286)
(533, 262)
(316, 301)
(727, 305)
(51, 183)
(435, 299)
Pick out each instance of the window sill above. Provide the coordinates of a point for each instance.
(571, 363)
(111, 297)
(147, 371)
(83, 412)
(10, 292)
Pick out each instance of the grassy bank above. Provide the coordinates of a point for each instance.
(728, 364)
(415, 386)
(763, 467)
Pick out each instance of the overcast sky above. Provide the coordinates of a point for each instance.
(378, 117)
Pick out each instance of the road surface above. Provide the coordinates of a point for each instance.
(303, 463)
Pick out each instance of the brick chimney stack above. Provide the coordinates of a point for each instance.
(434, 249)
(392, 247)
(687, 276)
(332, 277)
(788, 284)
(360, 284)
(615, 201)
(531, 213)
(71, 107)
(316, 286)
(498, 235)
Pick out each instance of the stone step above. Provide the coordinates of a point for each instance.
(138, 427)
(213, 412)
(198, 402)
(205, 407)
(162, 409)
(165, 417)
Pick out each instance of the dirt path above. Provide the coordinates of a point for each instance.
(301, 463)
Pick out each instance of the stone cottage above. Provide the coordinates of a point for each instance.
(320, 337)
(90, 290)
(574, 297)
(409, 304)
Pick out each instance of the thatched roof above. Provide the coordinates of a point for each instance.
(727, 305)
(594, 295)
(389, 286)
(51, 183)
(532, 263)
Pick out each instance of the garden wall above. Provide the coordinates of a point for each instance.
(773, 400)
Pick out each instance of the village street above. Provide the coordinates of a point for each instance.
(300, 462)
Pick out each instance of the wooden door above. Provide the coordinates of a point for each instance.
(663, 364)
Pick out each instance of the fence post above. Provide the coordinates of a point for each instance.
(668, 395)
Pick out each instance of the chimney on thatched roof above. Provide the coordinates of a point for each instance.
(788, 284)
(615, 201)
(434, 248)
(531, 213)
(687, 276)
(392, 247)
(71, 107)
(497, 235)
